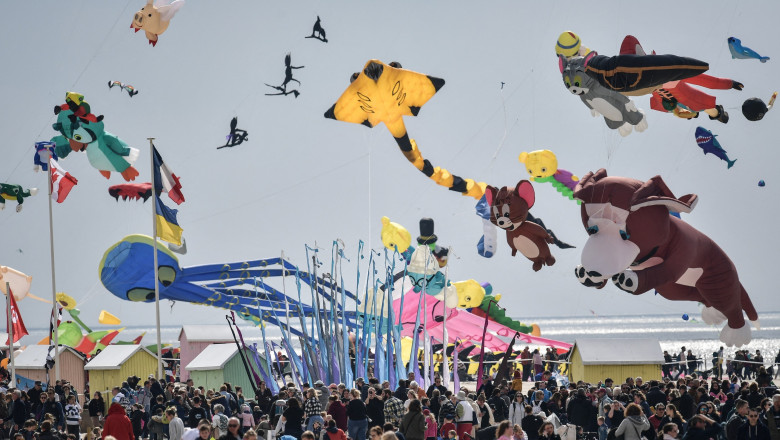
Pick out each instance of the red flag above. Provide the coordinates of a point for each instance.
(61, 182)
(16, 317)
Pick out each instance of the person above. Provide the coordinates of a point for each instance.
(375, 408)
(19, 411)
(485, 417)
(496, 402)
(702, 428)
(633, 424)
(204, 430)
(447, 408)
(658, 415)
(196, 414)
(96, 406)
(518, 433)
(175, 424)
(312, 409)
(337, 411)
(602, 430)
(579, 409)
(531, 423)
(753, 429)
(436, 385)
(234, 430)
(504, 431)
(250, 434)
(137, 419)
(247, 419)
(447, 425)
(464, 414)
(334, 433)
(117, 424)
(673, 416)
(431, 428)
(219, 421)
(603, 402)
(413, 424)
(737, 419)
(293, 418)
(547, 432)
(670, 431)
(537, 360)
(357, 420)
(517, 410)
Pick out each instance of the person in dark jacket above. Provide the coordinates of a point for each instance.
(580, 410)
(19, 410)
(753, 429)
(531, 423)
(338, 412)
(137, 420)
(702, 428)
(413, 423)
(655, 395)
(375, 409)
(686, 405)
(357, 420)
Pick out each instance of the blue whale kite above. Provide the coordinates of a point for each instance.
(739, 51)
(709, 144)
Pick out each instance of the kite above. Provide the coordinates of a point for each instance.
(739, 51)
(130, 89)
(509, 210)
(707, 142)
(155, 17)
(385, 93)
(542, 165)
(569, 45)
(754, 109)
(619, 112)
(636, 75)
(236, 136)
(9, 191)
(761, 183)
(126, 271)
(636, 243)
(318, 32)
(43, 150)
(426, 277)
(288, 76)
(132, 191)
(678, 97)
(496, 313)
(395, 236)
(105, 151)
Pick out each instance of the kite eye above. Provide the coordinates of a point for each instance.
(166, 275)
(624, 235)
(593, 229)
(544, 170)
(353, 77)
(140, 294)
(567, 81)
(77, 137)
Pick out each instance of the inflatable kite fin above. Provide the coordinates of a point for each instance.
(107, 318)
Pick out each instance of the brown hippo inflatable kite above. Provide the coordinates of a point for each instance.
(636, 243)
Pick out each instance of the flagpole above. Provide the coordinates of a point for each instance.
(10, 334)
(156, 284)
(53, 284)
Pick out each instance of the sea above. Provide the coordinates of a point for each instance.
(672, 331)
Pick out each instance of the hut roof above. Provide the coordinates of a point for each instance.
(113, 356)
(213, 357)
(619, 351)
(206, 333)
(34, 356)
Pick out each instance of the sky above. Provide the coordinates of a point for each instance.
(303, 179)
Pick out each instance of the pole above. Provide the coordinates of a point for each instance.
(10, 334)
(482, 348)
(156, 283)
(53, 284)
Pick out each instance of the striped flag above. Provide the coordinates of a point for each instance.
(61, 182)
(165, 179)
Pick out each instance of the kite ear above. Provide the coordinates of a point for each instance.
(526, 192)
(57, 109)
(490, 194)
(99, 118)
(589, 57)
(561, 62)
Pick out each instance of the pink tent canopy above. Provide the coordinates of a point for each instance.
(461, 324)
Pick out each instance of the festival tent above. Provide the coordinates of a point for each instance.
(31, 363)
(116, 363)
(593, 360)
(220, 363)
(193, 339)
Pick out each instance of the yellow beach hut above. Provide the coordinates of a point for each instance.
(593, 360)
(116, 363)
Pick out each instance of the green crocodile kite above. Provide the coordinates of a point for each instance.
(10, 191)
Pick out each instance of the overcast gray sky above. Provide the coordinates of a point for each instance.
(302, 178)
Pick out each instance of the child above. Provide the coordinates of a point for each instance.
(452, 434)
(430, 425)
(603, 430)
(448, 426)
(73, 415)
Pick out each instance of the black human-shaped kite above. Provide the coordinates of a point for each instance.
(236, 136)
(288, 76)
(318, 32)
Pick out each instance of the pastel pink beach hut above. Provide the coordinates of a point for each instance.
(193, 339)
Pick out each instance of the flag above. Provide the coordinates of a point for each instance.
(61, 182)
(168, 228)
(16, 319)
(165, 179)
(503, 369)
(54, 322)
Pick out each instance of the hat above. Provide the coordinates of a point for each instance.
(37, 382)
(601, 391)
(461, 395)
(426, 232)
(319, 383)
(426, 412)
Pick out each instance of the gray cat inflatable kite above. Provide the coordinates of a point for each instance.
(619, 112)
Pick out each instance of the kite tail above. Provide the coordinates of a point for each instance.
(467, 187)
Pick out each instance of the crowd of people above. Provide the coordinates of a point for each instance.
(686, 408)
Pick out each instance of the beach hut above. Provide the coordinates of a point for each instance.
(193, 339)
(116, 363)
(220, 363)
(593, 360)
(31, 364)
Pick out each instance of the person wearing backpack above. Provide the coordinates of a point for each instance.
(219, 421)
(464, 414)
